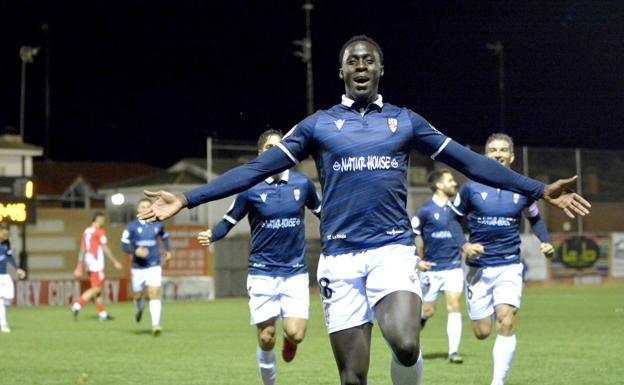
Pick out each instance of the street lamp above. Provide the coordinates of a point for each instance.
(27, 54)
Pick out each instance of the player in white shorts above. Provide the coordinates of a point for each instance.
(7, 291)
(140, 241)
(494, 276)
(278, 283)
(441, 270)
(361, 148)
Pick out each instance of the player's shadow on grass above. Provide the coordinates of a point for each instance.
(435, 356)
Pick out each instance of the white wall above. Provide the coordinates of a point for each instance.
(11, 165)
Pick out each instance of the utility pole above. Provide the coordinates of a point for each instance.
(498, 50)
(305, 54)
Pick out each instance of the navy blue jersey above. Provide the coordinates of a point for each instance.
(143, 234)
(433, 223)
(494, 218)
(276, 214)
(6, 256)
(362, 162)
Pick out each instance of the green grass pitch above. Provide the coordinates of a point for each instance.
(565, 336)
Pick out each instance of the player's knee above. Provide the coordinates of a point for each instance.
(505, 324)
(266, 339)
(296, 335)
(481, 334)
(407, 352)
(428, 312)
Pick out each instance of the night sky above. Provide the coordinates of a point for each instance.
(147, 81)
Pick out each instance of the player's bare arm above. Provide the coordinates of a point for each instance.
(109, 254)
(79, 267)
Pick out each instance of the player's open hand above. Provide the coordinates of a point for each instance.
(21, 273)
(547, 249)
(472, 250)
(559, 194)
(205, 238)
(164, 207)
(168, 257)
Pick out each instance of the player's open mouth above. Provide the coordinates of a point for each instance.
(361, 82)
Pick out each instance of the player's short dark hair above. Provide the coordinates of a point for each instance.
(144, 200)
(96, 215)
(262, 139)
(500, 136)
(361, 38)
(434, 177)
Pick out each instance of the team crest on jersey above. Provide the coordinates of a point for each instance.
(393, 124)
(484, 195)
(436, 216)
(140, 230)
(339, 123)
(263, 196)
(516, 198)
(297, 194)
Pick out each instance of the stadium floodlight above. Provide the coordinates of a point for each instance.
(118, 199)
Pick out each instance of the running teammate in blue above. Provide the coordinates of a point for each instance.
(140, 241)
(361, 147)
(441, 268)
(494, 277)
(7, 291)
(278, 283)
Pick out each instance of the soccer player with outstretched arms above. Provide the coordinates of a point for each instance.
(361, 147)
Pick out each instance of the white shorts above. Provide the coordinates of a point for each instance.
(150, 276)
(435, 282)
(281, 297)
(351, 284)
(7, 290)
(487, 287)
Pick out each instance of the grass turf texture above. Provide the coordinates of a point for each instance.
(565, 336)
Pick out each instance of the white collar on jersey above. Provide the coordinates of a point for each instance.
(349, 102)
(438, 202)
(283, 177)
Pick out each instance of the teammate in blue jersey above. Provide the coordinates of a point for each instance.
(441, 266)
(140, 241)
(361, 148)
(7, 291)
(494, 277)
(278, 282)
